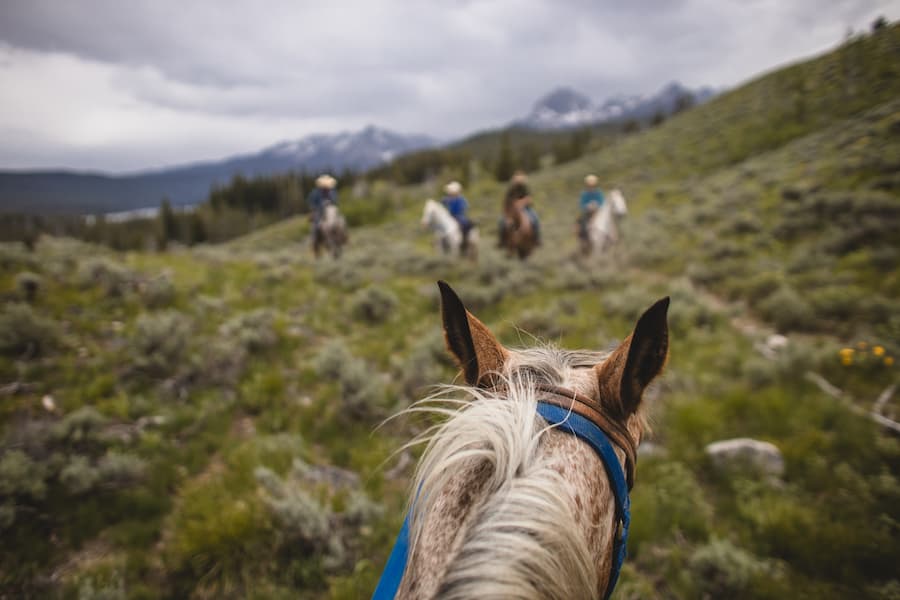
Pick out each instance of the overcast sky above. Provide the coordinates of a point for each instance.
(119, 86)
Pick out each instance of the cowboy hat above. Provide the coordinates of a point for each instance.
(453, 188)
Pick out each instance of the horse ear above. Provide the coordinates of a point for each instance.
(475, 348)
(631, 367)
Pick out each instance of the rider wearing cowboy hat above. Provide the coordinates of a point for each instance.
(323, 195)
(518, 191)
(591, 199)
(457, 205)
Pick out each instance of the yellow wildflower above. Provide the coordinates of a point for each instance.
(846, 360)
(878, 350)
(889, 360)
(846, 352)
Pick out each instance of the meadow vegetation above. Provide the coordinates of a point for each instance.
(204, 422)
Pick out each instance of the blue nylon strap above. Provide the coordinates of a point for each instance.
(396, 565)
(590, 433)
(578, 426)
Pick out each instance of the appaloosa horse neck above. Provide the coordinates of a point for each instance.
(522, 493)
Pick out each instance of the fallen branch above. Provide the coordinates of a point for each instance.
(883, 398)
(16, 387)
(824, 385)
(839, 394)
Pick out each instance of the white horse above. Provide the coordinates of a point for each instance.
(448, 235)
(601, 229)
(332, 232)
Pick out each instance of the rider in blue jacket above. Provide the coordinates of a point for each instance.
(591, 200)
(457, 205)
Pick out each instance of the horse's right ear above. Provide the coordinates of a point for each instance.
(631, 367)
(471, 343)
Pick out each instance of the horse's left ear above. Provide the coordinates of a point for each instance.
(631, 367)
(475, 348)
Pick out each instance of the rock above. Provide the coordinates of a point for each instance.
(747, 454)
(776, 341)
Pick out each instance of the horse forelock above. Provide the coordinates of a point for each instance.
(506, 506)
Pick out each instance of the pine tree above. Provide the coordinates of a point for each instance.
(168, 224)
(504, 168)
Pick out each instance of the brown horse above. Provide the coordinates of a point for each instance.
(520, 238)
(506, 505)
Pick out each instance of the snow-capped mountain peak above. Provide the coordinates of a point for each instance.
(359, 150)
(565, 107)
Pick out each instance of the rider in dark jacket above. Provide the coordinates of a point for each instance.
(517, 191)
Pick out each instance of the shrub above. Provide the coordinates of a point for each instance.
(157, 292)
(7, 515)
(28, 285)
(78, 476)
(79, 427)
(722, 570)
(223, 362)
(373, 304)
(24, 332)
(687, 311)
(252, 331)
(361, 389)
(160, 342)
(298, 514)
(759, 372)
(116, 468)
(326, 526)
(787, 310)
(111, 277)
(670, 503)
(21, 476)
(424, 364)
(543, 324)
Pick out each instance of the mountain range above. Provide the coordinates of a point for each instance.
(90, 193)
(61, 191)
(565, 107)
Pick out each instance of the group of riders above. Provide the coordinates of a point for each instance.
(518, 197)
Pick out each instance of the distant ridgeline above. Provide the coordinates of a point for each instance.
(230, 211)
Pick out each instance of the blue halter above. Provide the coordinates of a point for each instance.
(579, 426)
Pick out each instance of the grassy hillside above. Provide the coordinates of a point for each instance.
(202, 423)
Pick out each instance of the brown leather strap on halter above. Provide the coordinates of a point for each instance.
(591, 410)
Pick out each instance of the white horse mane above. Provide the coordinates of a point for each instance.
(522, 540)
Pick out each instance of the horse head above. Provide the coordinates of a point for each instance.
(505, 504)
(429, 212)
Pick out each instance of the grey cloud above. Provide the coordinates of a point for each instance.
(443, 68)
